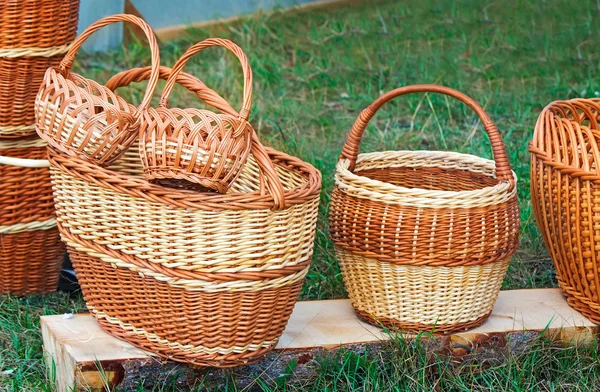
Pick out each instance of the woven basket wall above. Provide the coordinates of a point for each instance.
(34, 35)
(31, 252)
(423, 238)
(565, 193)
(208, 279)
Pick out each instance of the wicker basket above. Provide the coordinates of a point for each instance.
(423, 238)
(34, 35)
(565, 192)
(197, 148)
(31, 252)
(205, 278)
(83, 118)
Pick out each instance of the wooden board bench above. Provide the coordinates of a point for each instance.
(81, 355)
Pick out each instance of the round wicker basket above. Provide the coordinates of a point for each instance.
(423, 238)
(565, 193)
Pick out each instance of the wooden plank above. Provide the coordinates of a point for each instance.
(77, 346)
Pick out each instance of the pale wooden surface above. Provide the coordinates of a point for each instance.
(75, 343)
(333, 323)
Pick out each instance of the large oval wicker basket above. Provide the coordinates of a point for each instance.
(34, 35)
(565, 192)
(423, 238)
(31, 252)
(205, 278)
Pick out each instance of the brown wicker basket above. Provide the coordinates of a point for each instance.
(83, 118)
(565, 192)
(423, 238)
(31, 252)
(197, 148)
(34, 35)
(205, 278)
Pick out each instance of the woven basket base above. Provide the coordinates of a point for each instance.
(414, 328)
(30, 262)
(580, 303)
(421, 298)
(220, 329)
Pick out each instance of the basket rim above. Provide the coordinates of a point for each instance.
(139, 187)
(365, 187)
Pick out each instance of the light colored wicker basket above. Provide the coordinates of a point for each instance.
(197, 148)
(565, 193)
(205, 278)
(31, 252)
(423, 238)
(34, 35)
(82, 118)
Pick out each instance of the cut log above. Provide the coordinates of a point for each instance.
(81, 356)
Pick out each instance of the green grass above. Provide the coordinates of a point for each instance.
(313, 73)
(406, 366)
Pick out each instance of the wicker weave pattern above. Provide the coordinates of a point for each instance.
(83, 118)
(25, 193)
(423, 238)
(19, 84)
(34, 35)
(260, 243)
(212, 329)
(31, 252)
(202, 148)
(37, 24)
(565, 191)
(30, 261)
(395, 227)
(385, 292)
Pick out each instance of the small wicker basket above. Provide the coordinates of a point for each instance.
(423, 238)
(565, 193)
(31, 252)
(197, 148)
(83, 118)
(205, 278)
(34, 35)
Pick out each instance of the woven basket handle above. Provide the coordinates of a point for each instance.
(269, 180)
(350, 151)
(244, 113)
(188, 81)
(67, 62)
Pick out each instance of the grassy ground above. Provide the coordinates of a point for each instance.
(314, 71)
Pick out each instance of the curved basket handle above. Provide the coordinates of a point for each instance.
(136, 75)
(350, 151)
(33, 163)
(67, 62)
(244, 113)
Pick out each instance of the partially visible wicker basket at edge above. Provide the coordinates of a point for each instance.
(423, 238)
(34, 35)
(205, 278)
(31, 252)
(565, 193)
